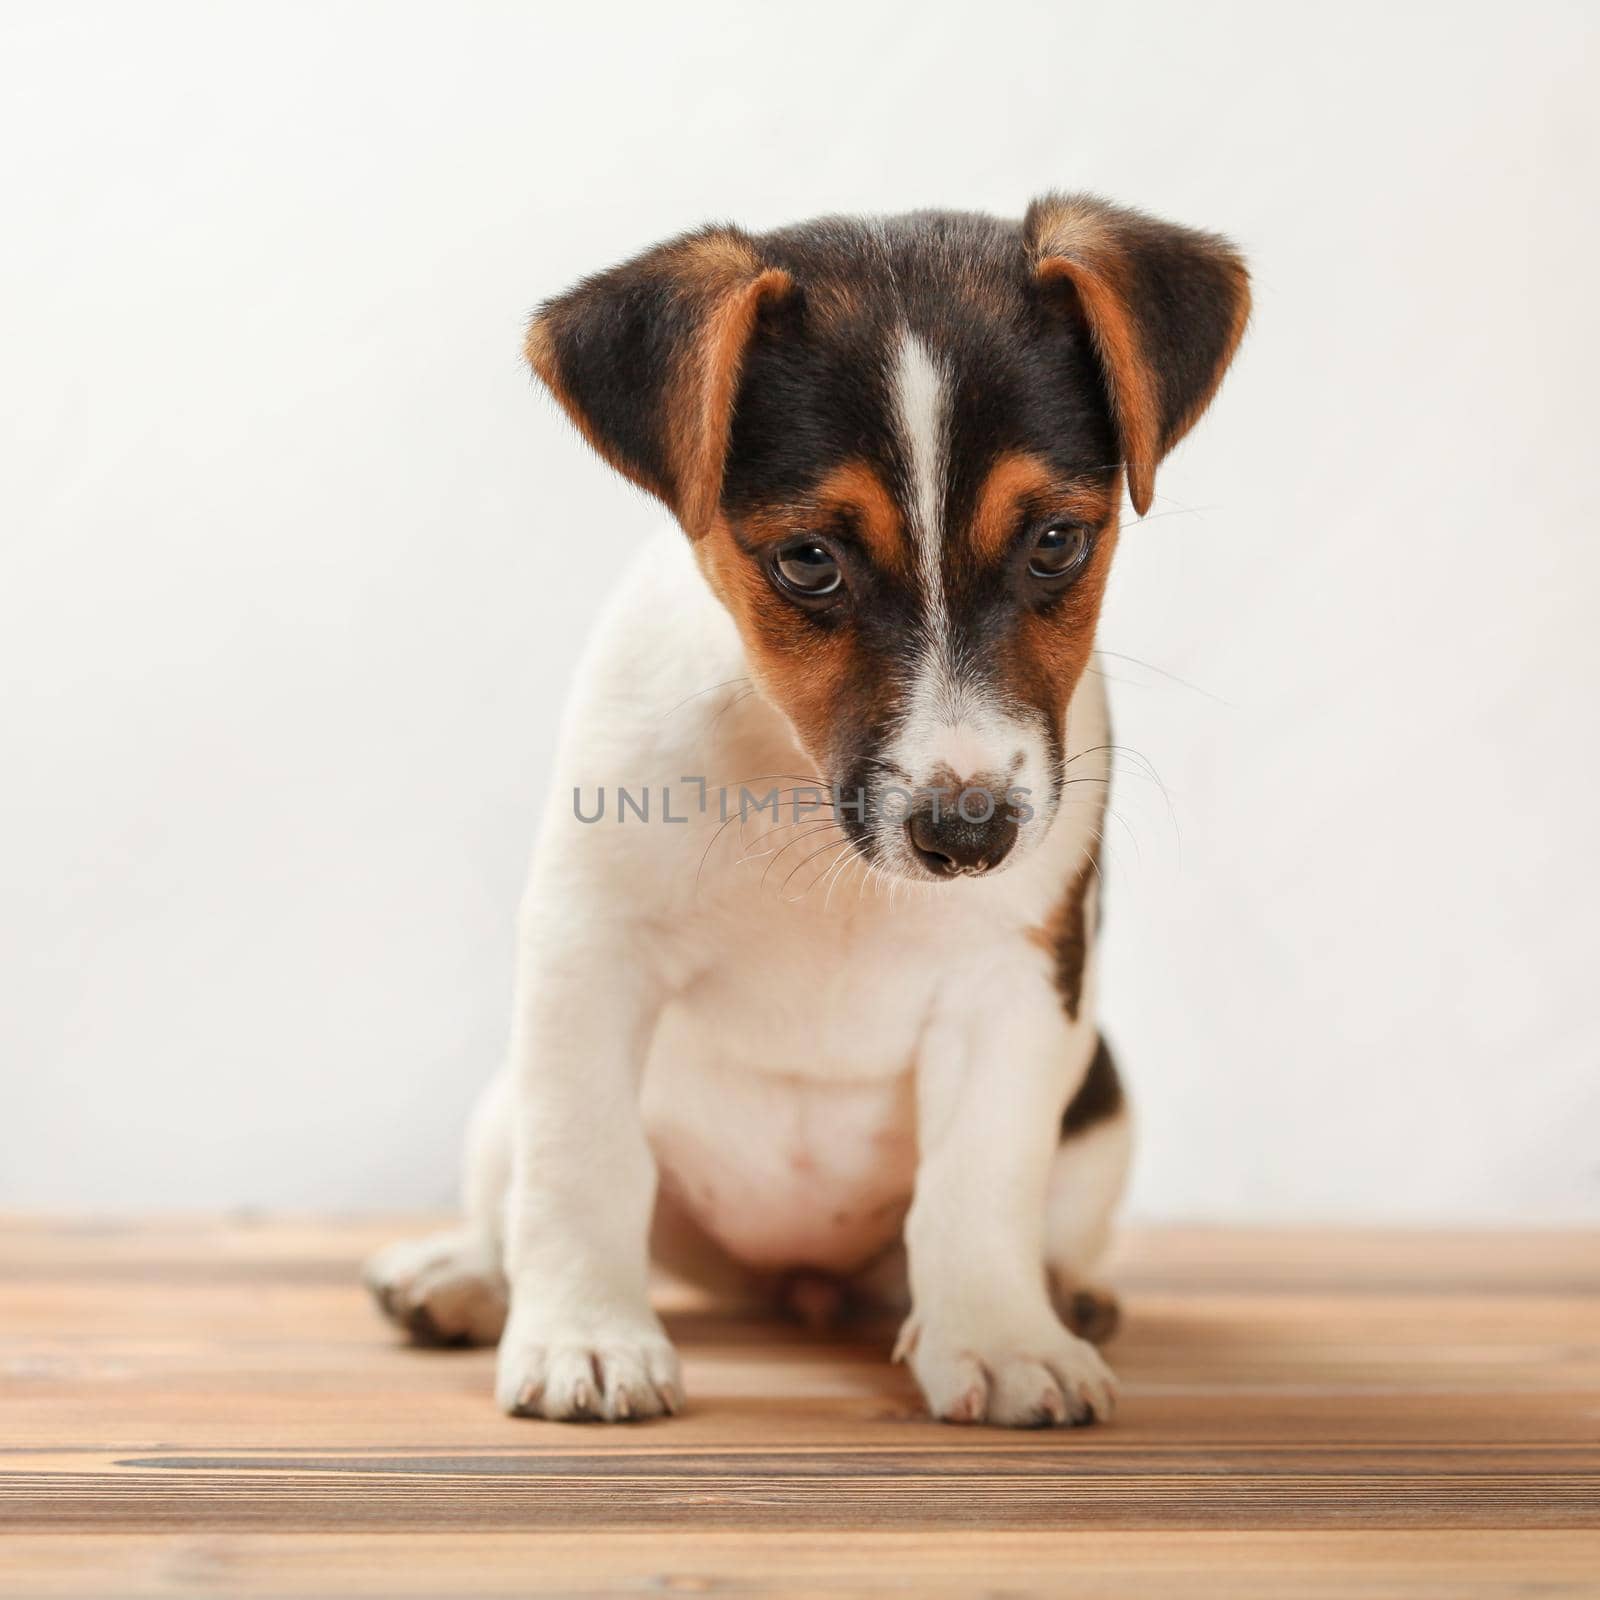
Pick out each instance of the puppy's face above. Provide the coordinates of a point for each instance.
(899, 448)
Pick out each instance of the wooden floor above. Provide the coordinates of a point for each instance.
(205, 1408)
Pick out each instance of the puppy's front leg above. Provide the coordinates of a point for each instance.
(582, 1342)
(986, 1345)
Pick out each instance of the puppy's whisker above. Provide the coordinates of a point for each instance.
(875, 875)
(784, 827)
(777, 855)
(727, 823)
(712, 689)
(832, 844)
(734, 700)
(741, 815)
(1109, 677)
(1161, 672)
(1133, 838)
(850, 858)
(1176, 511)
(774, 777)
(1146, 770)
(814, 812)
(807, 810)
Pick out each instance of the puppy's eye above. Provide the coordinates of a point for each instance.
(1060, 550)
(807, 569)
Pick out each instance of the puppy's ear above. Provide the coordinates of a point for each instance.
(646, 358)
(1165, 307)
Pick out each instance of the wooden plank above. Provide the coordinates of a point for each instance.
(1086, 1566)
(195, 1406)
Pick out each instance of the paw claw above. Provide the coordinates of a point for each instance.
(1032, 1376)
(616, 1373)
(969, 1408)
(905, 1341)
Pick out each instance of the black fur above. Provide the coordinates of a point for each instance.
(816, 383)
(1099, 1096)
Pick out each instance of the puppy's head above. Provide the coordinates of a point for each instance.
(898, 447)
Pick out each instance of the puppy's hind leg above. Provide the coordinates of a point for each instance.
(450, 1288)
(1086, 1182)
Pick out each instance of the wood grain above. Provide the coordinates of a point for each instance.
(211, 1407)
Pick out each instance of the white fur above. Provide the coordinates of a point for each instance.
(792, 1048)
(921, 408)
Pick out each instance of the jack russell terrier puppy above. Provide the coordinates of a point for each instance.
(806, 960)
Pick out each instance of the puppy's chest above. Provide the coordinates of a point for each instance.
(783, 1171)
(779, 1095)
(816, 1003)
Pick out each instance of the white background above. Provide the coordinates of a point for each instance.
(294, 563)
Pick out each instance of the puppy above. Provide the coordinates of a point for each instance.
(806, 958)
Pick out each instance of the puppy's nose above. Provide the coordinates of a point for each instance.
(973, 834)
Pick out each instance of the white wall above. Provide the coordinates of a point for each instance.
(293, 562)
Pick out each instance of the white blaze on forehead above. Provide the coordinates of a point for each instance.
(938, 727)
(921, 413)
(951, 720)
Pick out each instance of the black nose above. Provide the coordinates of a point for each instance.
(950, 837)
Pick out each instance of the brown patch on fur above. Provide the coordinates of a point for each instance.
(1013, 482)
(1047, 651)
(1128, 381)
(852, 491)
(697, 429)
(856, 490)
(812, 674)
(805, 670)
(1020, 484)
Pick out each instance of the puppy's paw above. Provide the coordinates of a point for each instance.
(1043, 1377)
(620, 1372)
(446, 1288)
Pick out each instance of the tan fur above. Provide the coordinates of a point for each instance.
(806, 672)
(1128, 378)
(1019, 482)
(699, 425)
(854, 490)
(857, 489)
(1046, 655)
(809, 674)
